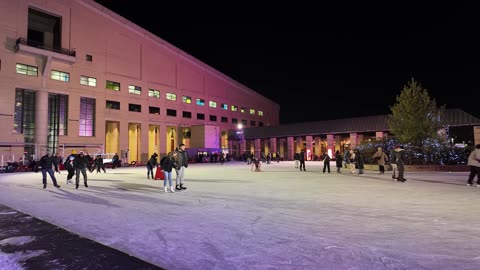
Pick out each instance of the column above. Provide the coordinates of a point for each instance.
(273, 145)
(258, 144)
(476, 134)
(266, 146)
(309, 147)
(353, 140)
(41, 122)
(290, 148)
(330, 145)
(379, 135)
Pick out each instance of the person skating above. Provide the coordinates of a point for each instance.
(400, 160)
(182, 164)
(46, 162)
(326, 162)
(338, 160)
(168, 163)
(68, 164)
(302, 160)
(80, 163)
(381, 158)
(152, 163)
(474, 165)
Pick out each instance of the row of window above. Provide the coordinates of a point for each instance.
(115, 105)
(132, 89)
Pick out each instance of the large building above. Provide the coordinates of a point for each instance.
(316, 138)
(75, 75)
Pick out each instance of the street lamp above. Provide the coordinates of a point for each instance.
(240, 132)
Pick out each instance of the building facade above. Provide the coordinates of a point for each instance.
(316, 138)
(75, 75)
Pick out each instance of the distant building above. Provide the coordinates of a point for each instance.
(75, 75)
(342, 134)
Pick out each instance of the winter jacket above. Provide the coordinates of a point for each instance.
(182, 159)
(382, 157)
(167, 163)
(474, 158)
(80, 162)
(152, 161)
(393, 157)
(46, 162)
(338, 159)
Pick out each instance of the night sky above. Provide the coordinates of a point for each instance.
(344, 62)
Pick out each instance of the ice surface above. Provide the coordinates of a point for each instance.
(282, 218)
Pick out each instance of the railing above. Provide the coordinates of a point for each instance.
(40, 45)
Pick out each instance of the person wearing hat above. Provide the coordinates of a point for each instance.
(46, 162)
(400, 160)
(80, 163)
(68, 164)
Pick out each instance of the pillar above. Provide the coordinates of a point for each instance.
(290, 148)
(476, 134)
(41, 122)
(353, 140)
(163, 140)
(309, 147)
(273, 145)
(266, 146)
(330, 145)
(257, 148)
(299, 146)
(379, 135)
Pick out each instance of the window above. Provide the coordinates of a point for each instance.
(260, 124)
(213, 118)
(234, 108)
(187, 114)
(252, 123)
(212, 104)
(244, 122)
(153, 110)
(89, 58)
(153, 93)
(200, 102)
(243, 110)
(59, 76)
(260, 113)
(224, 106)
(27, 70)
(171, 112)
(136, 90)
(114, 105)
(187, 100)
(44, 30)
(200, 116)
(57, 119)
(87, 117)
(252, 111)
(115, 86)
(171, 96)
(224, 119)
(88, 81)
(234, 121)
(24, 117)
(134, 108)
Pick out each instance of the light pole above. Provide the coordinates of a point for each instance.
(240, 132)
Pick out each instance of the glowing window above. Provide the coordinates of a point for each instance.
(171, 96)
(186, 99)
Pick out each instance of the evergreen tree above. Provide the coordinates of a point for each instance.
(415, 117)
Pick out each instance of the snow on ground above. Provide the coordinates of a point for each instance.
(282, 218)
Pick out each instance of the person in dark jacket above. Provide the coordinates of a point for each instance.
(182, 164)
(46, 162)
(326, 162)
(68, 164)
(400, 159)
(393, 162)
(80, 163)
(115, 161)
(99, 164)
(359, 161)
(168, 163)
(296, 158)
(152, 163)
(302, 160)
(338, 160)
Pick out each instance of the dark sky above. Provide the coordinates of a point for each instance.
(333, 63)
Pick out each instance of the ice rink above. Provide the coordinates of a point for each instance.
(281, 218)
